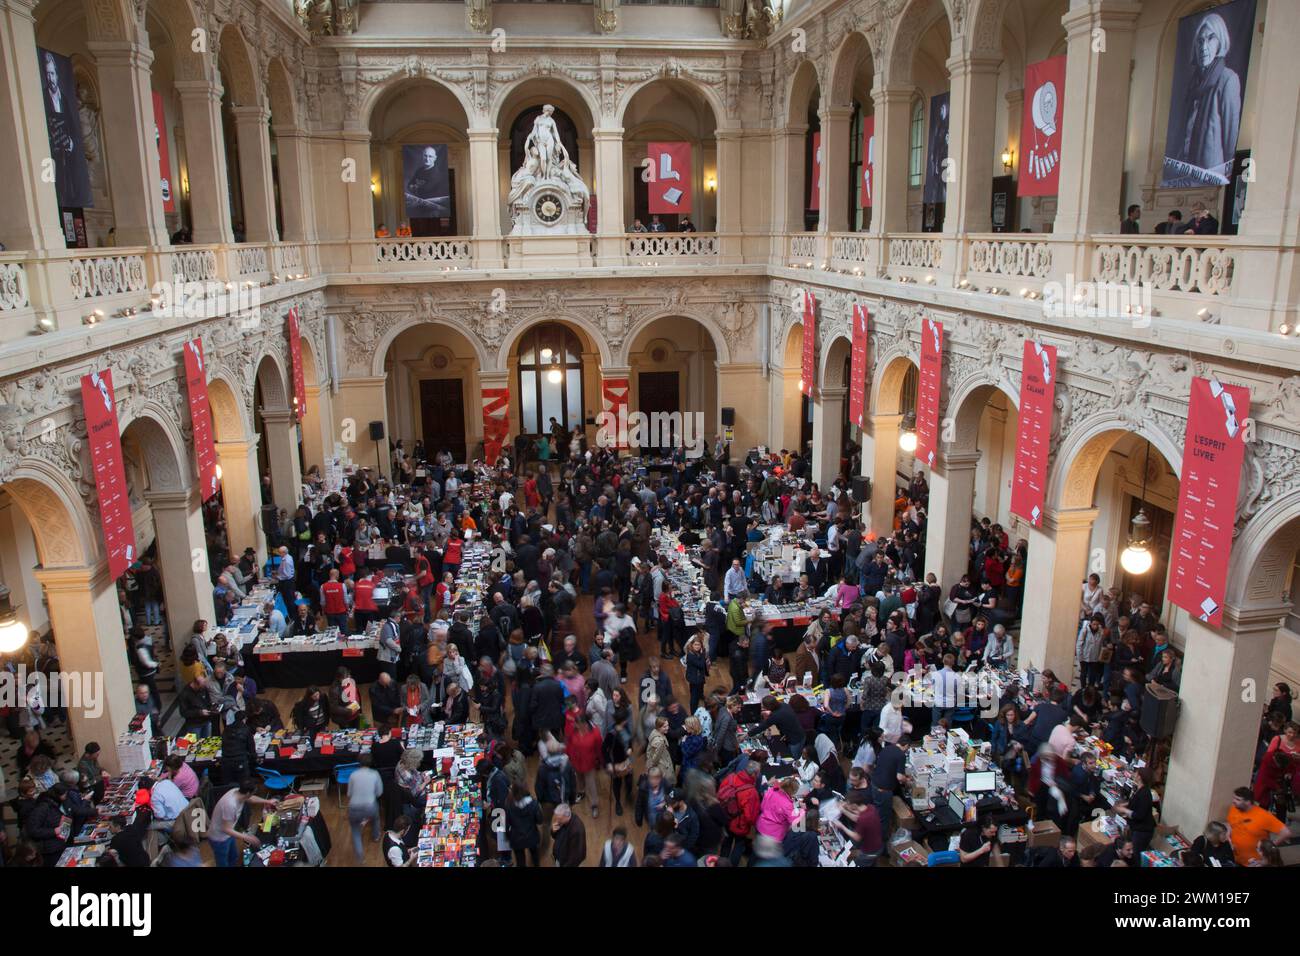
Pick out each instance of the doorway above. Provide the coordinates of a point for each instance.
(1152, 584)
(442, 413)
(658, 392)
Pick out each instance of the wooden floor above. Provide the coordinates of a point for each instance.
(599, 829)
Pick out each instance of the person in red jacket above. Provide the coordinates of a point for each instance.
(584, 744)
(364, 609)
(412, 606)
(669, 635)
(738, 794)
(424, 580)
(347, 564)
(334, 601)
(451, 556)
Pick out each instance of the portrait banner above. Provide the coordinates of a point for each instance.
(936, 160)
(614, 395)
(63, 125)
(424, 173)
(815, 190)
(164, 159)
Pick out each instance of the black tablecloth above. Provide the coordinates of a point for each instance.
(311, 668)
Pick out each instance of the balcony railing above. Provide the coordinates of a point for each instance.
(850, 252)
(415, 254)
(1191, 265)
(13, 287)
(1014, 258)
(915, 251)
(110, 273)
(801, 249)
(686, 247)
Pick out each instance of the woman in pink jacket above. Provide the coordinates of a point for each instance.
(780, 836)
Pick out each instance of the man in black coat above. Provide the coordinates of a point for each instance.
(385, 698)
(546, 705)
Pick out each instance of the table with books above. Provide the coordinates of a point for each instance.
(453, 809)
(312, 660)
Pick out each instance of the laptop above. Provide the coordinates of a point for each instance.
(980, 781)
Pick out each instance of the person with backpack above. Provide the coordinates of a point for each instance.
(739, 796)
(523, 826)
(556, 781)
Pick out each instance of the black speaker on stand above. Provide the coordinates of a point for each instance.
(861, 489)
(728, 417)
(376, 436)
(1159, 711)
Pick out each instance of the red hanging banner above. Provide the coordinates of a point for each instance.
(809, 369)
(496, 422)
(614, 393)
(815, 200)
(868, 159)
(110, 477)
(164, 161)
(1040, 128)
(295, 355)
(205, 452)
(858, 366)
(1207, 498)
(670, 178)
(1033, 437)
(929, 382)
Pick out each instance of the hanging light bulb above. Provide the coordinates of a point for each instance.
(13, 635)
(555, 376)
(1137, 557)
(907, 436)
(546, 355)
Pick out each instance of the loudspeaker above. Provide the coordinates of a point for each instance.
(1159, 711)
(728, 416)
(730, 475)
(861, 489)
(376, 431)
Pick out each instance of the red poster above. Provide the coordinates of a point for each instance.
(858, 366)
(1033, 439)
(164, 162)
(496, 422)
(1207, 498)
(929, 382)
(1040, 128)
(110, 477)
(295, 356)
(670, 178)
(614, 393)
(868, 159)
(815, 199)
(809, 369)
(205, 452)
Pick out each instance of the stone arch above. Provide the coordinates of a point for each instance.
(65, 535)
(390, 85)
(279, 95)
(910, 26)
(593, 331)
(799, 93)
(237, 60)
(1073, 477)
(887, 382)
(719, 340)
(845, 61)
(1263, 554)
(984, 27)
(517, 95)
(229, 416)
(178, 22)
(162, 447)
(388, 338)
(835, 347)
(109, 20)
(271, 375)
(966, 407)
(690, 86)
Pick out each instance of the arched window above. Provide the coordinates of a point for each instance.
(857, 215)
(550, 378)
(916, 154)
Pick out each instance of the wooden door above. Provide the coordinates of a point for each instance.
(658, 392)
(442, 411)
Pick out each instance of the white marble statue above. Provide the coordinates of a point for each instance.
(545, 139)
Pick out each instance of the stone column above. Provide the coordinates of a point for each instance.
(18, 562)
(995, 462)
(87, 622)
(293, 147)
(730, 201)
(1058, 563)
(241, 492)
(834, 198)
(183, 560)
(484, 183)
(1224, 686)
(973, 123)
(828, 436)
(29, 216)
(364, 400)
(787, 193)
(609, 195)
(126, 102)
(205, 153)
(317, 427)
(947, 537)
(893, 105)
(281, 435)
(738, 386)
(255, 173)
(361, 202)
(880, 454)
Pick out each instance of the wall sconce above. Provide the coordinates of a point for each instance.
(1008, 159)
(374, 187)
(710, 183)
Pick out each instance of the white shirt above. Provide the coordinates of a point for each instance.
(891, 723)
(506, 500)
(167, 801)
(734, 583)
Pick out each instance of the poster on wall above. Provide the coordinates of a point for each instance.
(1040, 128)
(196, 386)
(424, 175)
(808, 368)
(936, 157)
(1214, 446)
(815, 190)
(63, 125)
(105, 440)
(868, 159)
(614, 393)
(295, 357)
(496, 422)
(1034, 434)
(1209, 85)
(929, 381)
(858, 366)
(670, 183)
(164, 160)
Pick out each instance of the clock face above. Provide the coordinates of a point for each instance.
(548, 208)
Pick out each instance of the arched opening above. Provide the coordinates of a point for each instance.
(919, 56)
(668, 111)
(277, 448)
(316, 431)
(282, 120)
(419, 157)
(792, 410)
(237, 506)
(573, 118)
(549, 376)
(432, 391)
(853, 162)
(673, 366)
(245, 133)
(834, 448)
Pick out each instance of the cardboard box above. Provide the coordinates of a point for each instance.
(916, 855)
(1088, 836)
(1044, 833)
(904, 816)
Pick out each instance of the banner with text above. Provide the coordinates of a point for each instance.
(110, 477)
(929, 381)
(1207, 497)
(1033, 438)
(1040, 128)
(164, 159)
(295, 356)
(496, 422)
(614, 392)
(809, 368)
(868, 159)
(858, 366)
(670, 180)
(196, 385)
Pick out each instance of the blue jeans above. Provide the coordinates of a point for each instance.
(357, 817)
(152, 613)
(225, 852)
(870, 718)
